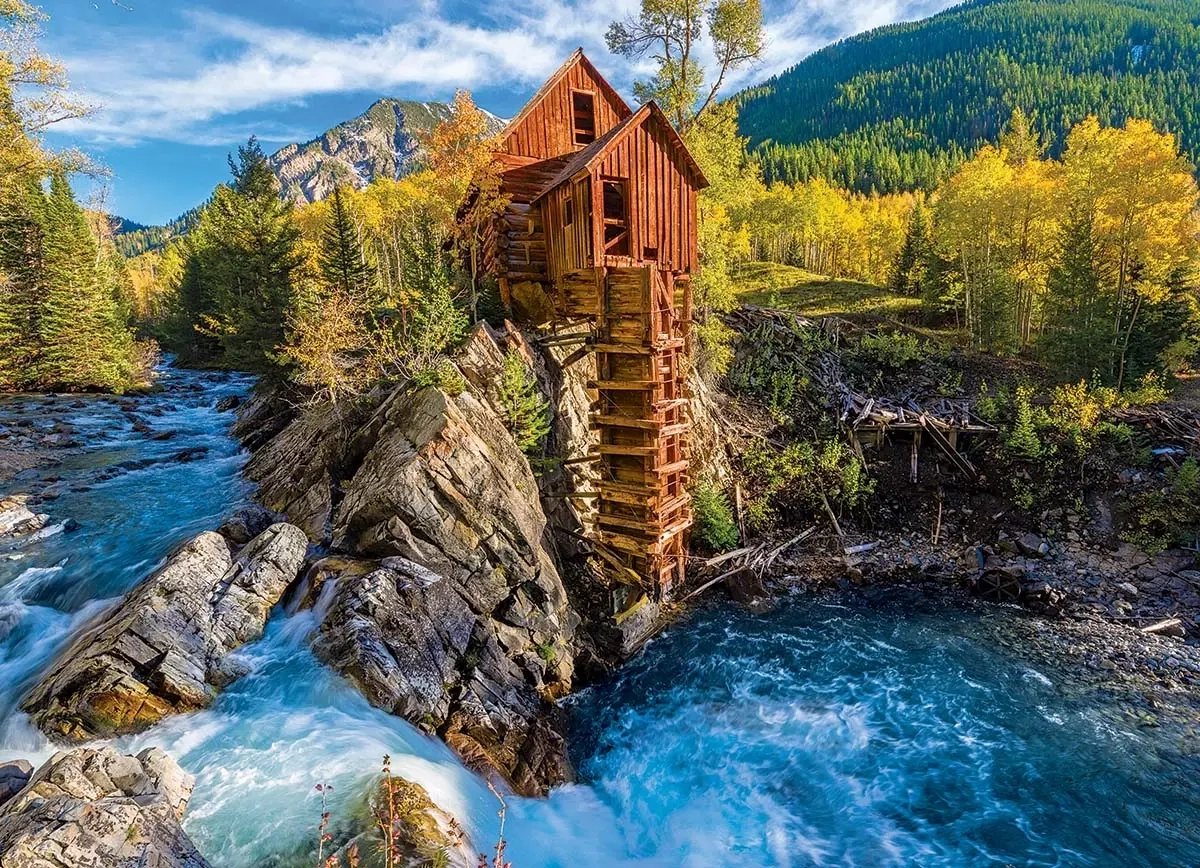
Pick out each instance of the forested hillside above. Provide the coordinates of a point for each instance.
(133, 239)
(896, 108)
(64, 305)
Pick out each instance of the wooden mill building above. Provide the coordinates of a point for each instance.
(602, 228)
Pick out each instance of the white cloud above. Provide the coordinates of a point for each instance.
(198, 83)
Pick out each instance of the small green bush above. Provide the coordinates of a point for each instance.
(443, 375)
(801, 478)
(1023, 440)
(525, 412)
(893, 351)
(1167, 516)
(715, 341)
(769, 368)
(715, 526)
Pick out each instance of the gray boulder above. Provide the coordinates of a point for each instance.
(90, 807)
(13, 778)
(165, 648)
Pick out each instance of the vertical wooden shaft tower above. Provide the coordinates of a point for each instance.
(642, 422)
(602, 228)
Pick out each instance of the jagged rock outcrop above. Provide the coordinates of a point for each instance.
(450, 609)
(98, 808)
(14, 776)
(165, 648)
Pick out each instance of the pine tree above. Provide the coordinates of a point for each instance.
(910, 274)
(237, 288)
(1079, 320)
(345, 262)
(83, 341)
(22, 280)
(526, 413)
(1020, 141)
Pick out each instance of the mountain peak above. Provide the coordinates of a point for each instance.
(382, 142)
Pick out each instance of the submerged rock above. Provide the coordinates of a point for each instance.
(450, 609)
(99, 808)
(165, 648)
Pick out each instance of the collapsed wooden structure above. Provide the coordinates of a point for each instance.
(871, 420)
(601, 227)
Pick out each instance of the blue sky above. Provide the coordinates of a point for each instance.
(179, 83)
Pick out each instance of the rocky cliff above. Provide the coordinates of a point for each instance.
(443, 600)
(380, 143)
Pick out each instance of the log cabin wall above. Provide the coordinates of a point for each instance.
(566, 212)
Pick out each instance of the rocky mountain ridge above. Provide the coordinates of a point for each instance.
(382, 142)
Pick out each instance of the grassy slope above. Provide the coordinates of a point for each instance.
(766, 284)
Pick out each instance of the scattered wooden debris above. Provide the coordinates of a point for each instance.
(757, 559)
(1166, 627)
(870, 418)
(1170, 422)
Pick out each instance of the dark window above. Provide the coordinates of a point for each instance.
(614, 200)
(583, 107)
(616, 218)
(569, 212)
(650, 254)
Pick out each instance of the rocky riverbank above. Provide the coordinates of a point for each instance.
(97, 807)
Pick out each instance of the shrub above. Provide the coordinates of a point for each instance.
(893, 351)
(803, 477)
(1022, 439)
(1170, 515)
(714, 340)
(525, 413)
(443, 375)
(769, 368)
(1153, 388)
(715, 526)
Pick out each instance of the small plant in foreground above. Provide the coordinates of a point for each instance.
(498, 860)
(398, 809)
(715, 526)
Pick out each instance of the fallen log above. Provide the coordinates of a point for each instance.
(1166, 627)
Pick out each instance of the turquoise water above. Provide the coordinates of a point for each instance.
(883, 732)
(892, 732)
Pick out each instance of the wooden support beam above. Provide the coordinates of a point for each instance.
(960, 461)
(624, 385)
(564, 340)
(638, 451)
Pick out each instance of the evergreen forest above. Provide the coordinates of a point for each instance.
(899, 107)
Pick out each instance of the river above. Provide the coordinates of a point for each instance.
(870, 732)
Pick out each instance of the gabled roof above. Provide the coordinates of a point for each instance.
(585, 160)
(577, 58)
